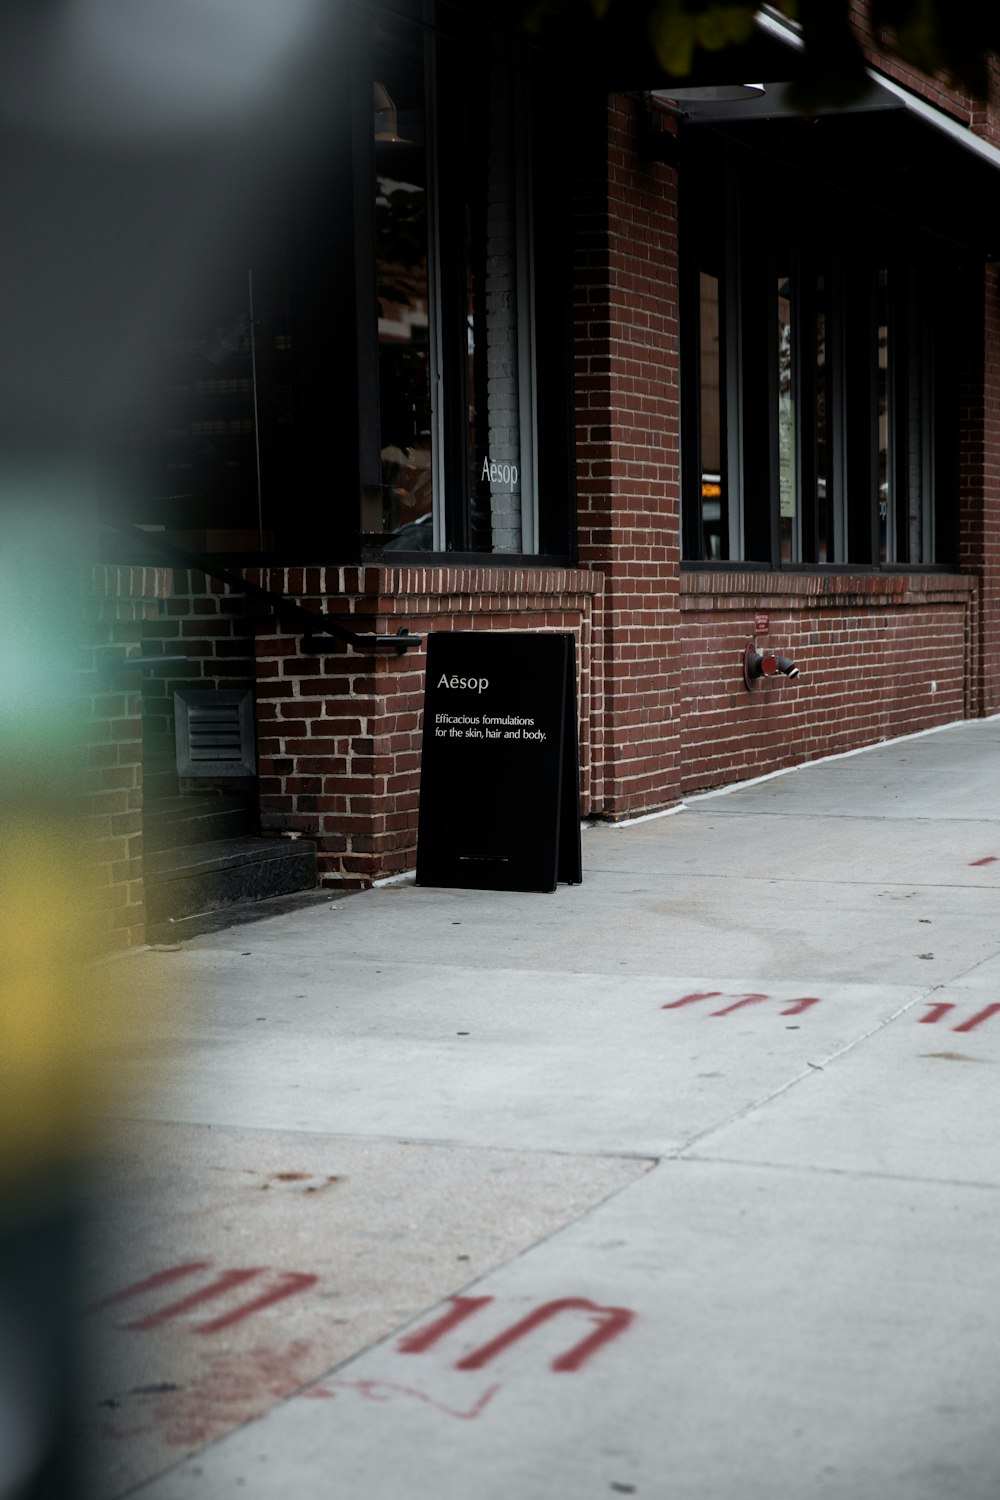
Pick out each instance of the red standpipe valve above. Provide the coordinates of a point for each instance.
(757, 664)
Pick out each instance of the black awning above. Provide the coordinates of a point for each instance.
(889, 148)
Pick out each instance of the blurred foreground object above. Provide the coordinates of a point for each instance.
(147, 74)
(137, 140)
(47, 1002)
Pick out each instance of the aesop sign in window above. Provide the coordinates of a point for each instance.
(499, 784)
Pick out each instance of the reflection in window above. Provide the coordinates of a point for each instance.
(452, 313)
(884, 471)
(494, 297)
(710, 412)
(919, 427)
(790, 530)
(402, 509)
(820, 391)
(825, 549)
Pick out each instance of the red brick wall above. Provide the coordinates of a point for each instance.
(628, 469)
(339, 731)
(880, 655)
(979, 519)
(983, 551)
(879, 52)
(986, 118)
(204, 621)
(118, 601)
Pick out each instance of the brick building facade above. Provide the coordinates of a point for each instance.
(853, 497)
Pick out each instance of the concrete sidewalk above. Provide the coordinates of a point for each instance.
(682, 1183)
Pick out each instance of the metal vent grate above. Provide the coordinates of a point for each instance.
(214, 733)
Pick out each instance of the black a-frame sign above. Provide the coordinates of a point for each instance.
(500, 773)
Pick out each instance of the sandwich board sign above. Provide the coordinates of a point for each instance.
(500, 773)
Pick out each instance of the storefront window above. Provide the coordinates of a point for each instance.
(883, 421)
(456, 389)
(920, 457)
(354, 367)
(401, 509)
(818, 388)
(494, 376)
(788, 483)
(825, 550)
(206, 435)
(712, 496)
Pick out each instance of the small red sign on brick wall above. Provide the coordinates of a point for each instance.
(760, 624)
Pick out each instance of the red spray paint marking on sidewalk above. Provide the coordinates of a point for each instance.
(990, 859)
(935, 1012)
(216, 1288)
(611, 1321)
(941, 1008)
(384, 1390)
(151, 1283)
(739, 1004)
(291, 1283)
(690, 999)
(462, 1308)
(794, 1007)
(978, 1019)
(288, 1284)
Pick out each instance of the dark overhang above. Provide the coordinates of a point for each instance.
(887, 146)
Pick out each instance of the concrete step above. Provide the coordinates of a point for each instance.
(159, 779)
(198, 818)
(179, 929)
(213, 876)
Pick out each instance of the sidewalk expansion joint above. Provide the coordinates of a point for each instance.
(810, 1071)
(867, 1174)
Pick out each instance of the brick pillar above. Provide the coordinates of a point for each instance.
(989, 598)
(118, 600)
(319, 711)
(980, 503)
(628, 475)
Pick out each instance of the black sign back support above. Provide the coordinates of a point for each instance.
(500, 777)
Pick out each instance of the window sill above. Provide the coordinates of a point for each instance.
(738, 586)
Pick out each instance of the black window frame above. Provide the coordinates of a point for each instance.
(314, 210)
(465, 34)
(841, 247)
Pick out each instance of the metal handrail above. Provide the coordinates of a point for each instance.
(308, 621)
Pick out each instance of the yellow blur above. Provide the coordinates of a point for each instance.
(51, 1034)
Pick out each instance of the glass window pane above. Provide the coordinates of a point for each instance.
(883, 415)
(494, 297)
(206, 445)
(919, 447)
(788, 484)
(825, 548)
(713, 499)
(401, 509)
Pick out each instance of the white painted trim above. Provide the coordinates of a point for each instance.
(665, 812)
(960, 134)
